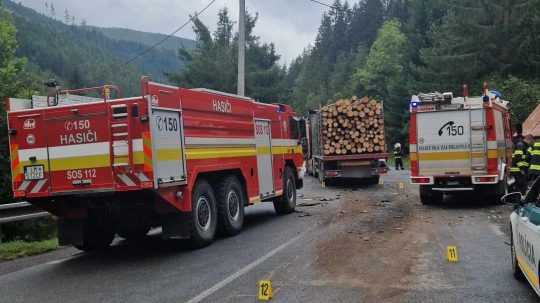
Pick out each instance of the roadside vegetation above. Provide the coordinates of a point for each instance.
(19, 249)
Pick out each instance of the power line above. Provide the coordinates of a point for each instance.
(171, 34)
(324, 4)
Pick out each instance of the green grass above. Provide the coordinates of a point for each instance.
(19, 249)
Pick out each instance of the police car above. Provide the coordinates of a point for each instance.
(525, 235)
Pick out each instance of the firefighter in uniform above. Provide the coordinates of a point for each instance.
(398, 153)
(534, 168)
(520, 166)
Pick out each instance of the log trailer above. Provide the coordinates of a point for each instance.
(188, 160)
(460, 144)
(353, 164)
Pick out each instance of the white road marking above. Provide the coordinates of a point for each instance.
(205, 294)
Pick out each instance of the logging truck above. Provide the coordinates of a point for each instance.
(346, 140)
(188, 160)
(461, 144)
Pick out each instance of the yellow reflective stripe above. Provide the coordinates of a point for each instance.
(533, 278)
(280, 150)
(493, 153)
(95, 161)
(534, 167)
(444, 156)
(212, 153)
(170, 154)
(263, 150)
(45, 164)
(514, 169)
(524, 164)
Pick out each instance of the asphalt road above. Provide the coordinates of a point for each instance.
(345, 244)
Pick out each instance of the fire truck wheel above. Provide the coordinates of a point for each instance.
(231, 201)
(96, 236)
(428, 196)
(204, 214)
(500, 190)
(287, 202)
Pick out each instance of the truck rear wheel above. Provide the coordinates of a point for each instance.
(231, 201)
(203, 215)
(429, 196)
(98, 233)
(287, 202)
(501, 189)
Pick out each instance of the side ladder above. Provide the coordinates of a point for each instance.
(121, 138)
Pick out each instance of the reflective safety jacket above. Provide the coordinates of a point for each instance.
(519, 161)
(535, 158)
(397, 153)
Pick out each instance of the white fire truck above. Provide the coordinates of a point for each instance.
(459, 144)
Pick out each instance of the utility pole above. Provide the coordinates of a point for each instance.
(242, 49)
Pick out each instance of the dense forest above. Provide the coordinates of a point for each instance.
(36, 46)
(387, 49)
(80, 55)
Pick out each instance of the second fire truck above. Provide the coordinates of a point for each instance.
(460, 144)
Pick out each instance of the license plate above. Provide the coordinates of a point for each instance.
(450, 183)
(34, 172)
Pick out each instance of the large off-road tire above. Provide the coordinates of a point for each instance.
(98, 232)
(429, 196)
(204, 215)
(287, 202)
(231, 199)
(518, 274)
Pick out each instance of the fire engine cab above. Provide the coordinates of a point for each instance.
(460, 144)
(188, 160)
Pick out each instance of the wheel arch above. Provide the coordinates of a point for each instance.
(215, 177)
(289, 163)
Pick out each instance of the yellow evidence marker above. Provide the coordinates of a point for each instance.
(381, 181)
(401, 185)
(452, 255)
(264, 292)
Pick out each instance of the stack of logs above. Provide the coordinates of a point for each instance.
(352, 126)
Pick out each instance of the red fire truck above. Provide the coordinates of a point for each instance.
(187, 160)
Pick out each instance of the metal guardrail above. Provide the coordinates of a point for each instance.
(21, 211)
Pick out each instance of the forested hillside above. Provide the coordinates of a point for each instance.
(123, 34)
(213, 63)
(395, 48)
(80, 55)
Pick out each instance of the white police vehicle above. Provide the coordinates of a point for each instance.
(525, 235)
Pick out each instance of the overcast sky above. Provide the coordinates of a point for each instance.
(290, 24)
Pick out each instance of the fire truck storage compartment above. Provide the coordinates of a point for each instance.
(167, 146)
(447, 140)
(263, 142)
(78, 147)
